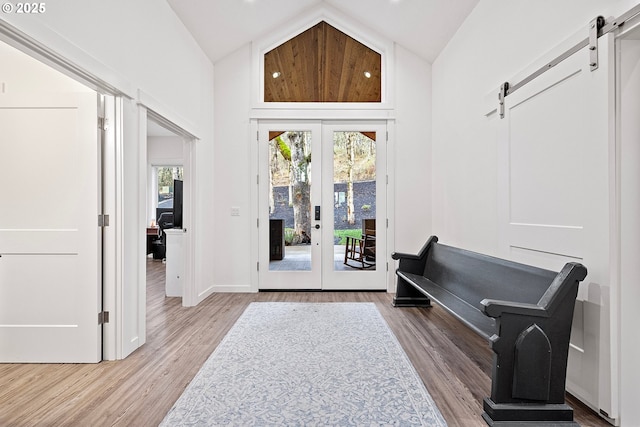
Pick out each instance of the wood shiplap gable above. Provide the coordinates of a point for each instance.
(322, 64)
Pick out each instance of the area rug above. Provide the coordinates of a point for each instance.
(307, 364)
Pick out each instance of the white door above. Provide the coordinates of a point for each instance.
(556, 187)
(287, 154)
(319, 185)
(50, 253)
(356, 153)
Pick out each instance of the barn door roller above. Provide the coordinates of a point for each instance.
(594, 26)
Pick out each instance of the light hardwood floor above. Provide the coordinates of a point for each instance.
(453, 362)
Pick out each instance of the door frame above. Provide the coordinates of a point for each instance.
(329, 117)
(627, 219)
(189, 292)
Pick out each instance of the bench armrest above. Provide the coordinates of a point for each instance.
(495, 308)
(400, 255)
(411, 263)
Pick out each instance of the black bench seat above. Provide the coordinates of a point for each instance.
(469, 315)
(524, 312)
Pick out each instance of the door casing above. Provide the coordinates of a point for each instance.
(325, 278)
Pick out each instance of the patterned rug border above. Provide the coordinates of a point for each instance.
(223, 378)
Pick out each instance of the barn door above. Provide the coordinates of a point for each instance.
(50, 248)
(555, 189)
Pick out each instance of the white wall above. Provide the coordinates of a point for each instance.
(20, 73)
(232, 167)
(164, 150)
(413, 159)
(141, 43)
(233, 265)
(465, 155)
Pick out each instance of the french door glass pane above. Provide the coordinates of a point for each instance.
(354, 190)
(290, 217)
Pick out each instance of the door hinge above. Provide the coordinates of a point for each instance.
(258, 179)
(103, 124)
(387, 136)
(258, 266)
(258, 135)
(387, 222)
(103, 220)
(103, 317)
(258, 222)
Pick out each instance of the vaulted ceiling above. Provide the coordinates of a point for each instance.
(421, 26)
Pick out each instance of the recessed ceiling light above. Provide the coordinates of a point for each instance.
(367, 74)
(276, 74)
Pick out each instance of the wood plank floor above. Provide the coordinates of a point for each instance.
(453, 362)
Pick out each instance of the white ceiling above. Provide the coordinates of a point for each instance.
(422, 26)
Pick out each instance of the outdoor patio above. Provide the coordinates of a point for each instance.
(298, 258)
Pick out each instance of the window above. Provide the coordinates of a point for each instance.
(165, 176)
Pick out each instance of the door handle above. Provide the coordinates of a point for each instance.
(317, 211)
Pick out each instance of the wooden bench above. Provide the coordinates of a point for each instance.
(524, 312)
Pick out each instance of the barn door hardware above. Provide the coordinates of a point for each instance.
(595, 26)
(503, 93)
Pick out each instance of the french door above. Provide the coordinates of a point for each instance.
(322, 205)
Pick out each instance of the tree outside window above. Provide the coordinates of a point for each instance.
(166, 175)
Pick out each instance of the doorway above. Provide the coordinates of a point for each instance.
(164, 179)
(166, 173)
(322, 203)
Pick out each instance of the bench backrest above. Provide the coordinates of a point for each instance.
(473, 276)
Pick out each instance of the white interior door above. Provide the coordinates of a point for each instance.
(319, 183)
(556, 182)
(50, 264)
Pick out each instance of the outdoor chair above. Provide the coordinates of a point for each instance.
(360, 252)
